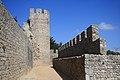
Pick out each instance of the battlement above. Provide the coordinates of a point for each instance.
(39, 25)
(25, 26)
(91, 35)
(86, 42)
(38, 11)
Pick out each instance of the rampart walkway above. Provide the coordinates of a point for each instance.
(42, 73)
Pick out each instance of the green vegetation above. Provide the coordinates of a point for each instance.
(109, 52)
(53, 44)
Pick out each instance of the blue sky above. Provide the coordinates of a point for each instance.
(70, 17)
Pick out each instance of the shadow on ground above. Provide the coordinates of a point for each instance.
(63, 76)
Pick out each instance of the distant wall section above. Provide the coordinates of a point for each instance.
(53, 54)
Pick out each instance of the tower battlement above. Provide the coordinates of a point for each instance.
(38, 11)
(39, 24)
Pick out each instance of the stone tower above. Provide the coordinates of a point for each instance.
(39, 26)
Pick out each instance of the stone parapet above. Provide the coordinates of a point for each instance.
(38, 12)
(86, 42)
(89, 67)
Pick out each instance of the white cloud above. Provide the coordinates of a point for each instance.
(105, 26)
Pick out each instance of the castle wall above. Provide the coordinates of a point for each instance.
(39, 24)
(26, 29)
(83, 58)
(86, 42)
(72, 67)
(53, 55)
(102, 67)
(90, 67)
(15, 48)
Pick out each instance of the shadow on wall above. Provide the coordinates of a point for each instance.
(63, 76)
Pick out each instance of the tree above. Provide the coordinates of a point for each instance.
(52, 42)
(54, 45)
(109, 52)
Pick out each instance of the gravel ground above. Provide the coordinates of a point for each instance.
(42, 73)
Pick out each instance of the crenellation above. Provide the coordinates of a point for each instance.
(25, 26)
(46, 12)
(78, 38)
(31, 11)
(39, 27)
(71, 43)
(103, 45)
(89, 33)
(64, 47)
(95, 32)
(74, 41)
(67, 44)
(38, 11)
(83, 35)
(86, 42)
(92, 33)
(82, 58)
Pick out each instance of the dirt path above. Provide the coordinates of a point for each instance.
(42, 73)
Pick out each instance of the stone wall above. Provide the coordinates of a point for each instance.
(53, 55)
(26, 29)
(73, 67)
(15, 48)
(86, 42)
(39, 26)
(102, 67)
(90, 67)
(84, 58)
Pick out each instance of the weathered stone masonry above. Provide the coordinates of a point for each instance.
(39, 26)
(20, 50)
(86, 42)
(84, 58)
(15, 48)
(90, 67)
(73, 67)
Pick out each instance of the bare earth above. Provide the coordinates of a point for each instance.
(42, 73)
